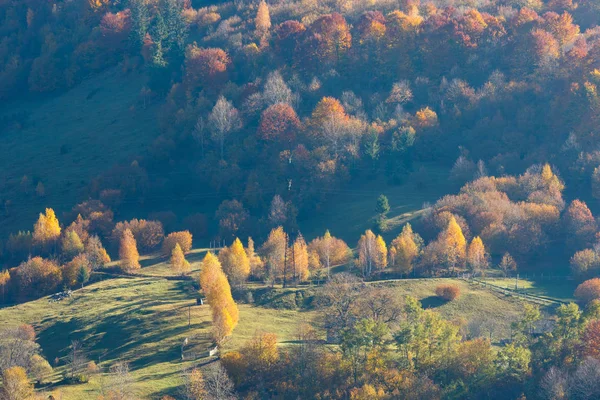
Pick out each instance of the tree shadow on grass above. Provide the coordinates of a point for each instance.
(56, 339)
(432, 302)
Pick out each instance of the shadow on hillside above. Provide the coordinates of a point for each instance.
(56, 339)
(432, 302)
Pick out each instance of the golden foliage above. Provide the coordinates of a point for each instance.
(372, 253)
(404, 250)
(235, 262)
(47, 228)
(263, 19)
(128, 253)
(477, 258)
(215, 286)
(15, 384)
(183, 238)
(179, 264)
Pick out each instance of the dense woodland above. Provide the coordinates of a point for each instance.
(270, 108)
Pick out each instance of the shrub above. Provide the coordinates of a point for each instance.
(447, 291)
(183, 238)
(588, 290)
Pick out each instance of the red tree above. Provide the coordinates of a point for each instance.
(279, 122)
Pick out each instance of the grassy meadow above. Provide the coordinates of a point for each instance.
(144, 320)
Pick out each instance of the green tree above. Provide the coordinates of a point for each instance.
(513, 361)
(383, 206)
(360, 341)
(177, 28)
(140, 20)
(83, 276)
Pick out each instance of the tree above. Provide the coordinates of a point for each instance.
(232, 217)
(300, 259)
(362, 341)
(280, 123)
(128, 253)
(224, 119)
(4, 281)
(263, 19)
(179, 264)
(328, 251)
(585, 262)
(591, 339)
(372, 253)
(513, 362)
(47, 228)
(182, 238)
(218, 384)
(328, 39)
(235, 262)
(40, 368)
(95, 253)
(37, 277)
(176, 26)
(477, 257)
(274, 253)
(404, 250)
(15, 385)
(195, 386)
(341, 294)
(454, 244)
(205, 67)
(71, 270)
(383, 206)
(83, 275)
(140, 20)
(579, 224)
(71, 244)
(254, 260)
(148, 234)
(215, 286)
(507, 264)
(588, 290)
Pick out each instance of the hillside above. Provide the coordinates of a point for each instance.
(144, 321)
(65, 140)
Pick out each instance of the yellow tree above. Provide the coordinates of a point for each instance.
(254, 260)
(47, 228)
(4, 280)
(274, 251)
(179, 264)
(235, 262)
(128, 253)
(15, 385)
(300, 259)
(404, 250)
(216, 288)
(263, 18)
(477, 257)
(372, 253)
(454, 245)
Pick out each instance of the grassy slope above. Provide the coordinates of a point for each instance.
(101, 121)
(351, 211)
(144, 321)
(555, 288)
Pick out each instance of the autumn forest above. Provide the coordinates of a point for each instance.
(299, 199)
